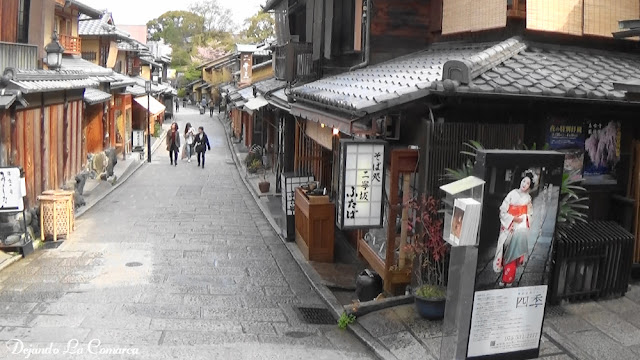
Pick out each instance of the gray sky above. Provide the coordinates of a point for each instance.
(138, 12)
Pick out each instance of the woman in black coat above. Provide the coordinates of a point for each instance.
(201, 143)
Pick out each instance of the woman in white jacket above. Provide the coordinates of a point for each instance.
(189, 135)
(516, 218)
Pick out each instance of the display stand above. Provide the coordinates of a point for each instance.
(290, 182)
(393, 268)
(315, 219)
(12, 191)
(462, 262)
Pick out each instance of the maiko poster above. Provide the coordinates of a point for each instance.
(518, 222)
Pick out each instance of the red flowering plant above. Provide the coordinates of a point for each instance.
(427, 249)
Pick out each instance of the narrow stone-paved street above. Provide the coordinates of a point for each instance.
(177, 263)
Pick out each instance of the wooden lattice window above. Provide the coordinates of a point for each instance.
(89, 55)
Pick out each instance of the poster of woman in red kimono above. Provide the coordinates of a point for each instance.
(516, 220)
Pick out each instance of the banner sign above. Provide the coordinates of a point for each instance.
(362, 175)
(12, 190)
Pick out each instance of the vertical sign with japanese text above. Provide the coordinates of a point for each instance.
(246, 68)
(506, 321)
(362, 170)
(12, 190)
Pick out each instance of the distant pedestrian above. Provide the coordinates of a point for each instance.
(189, 135)
(173, 143)
(223, 104)
(211, 106)
(201, 145)
(184, 102)
(177, 104)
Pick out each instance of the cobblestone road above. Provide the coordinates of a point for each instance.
(213, 280)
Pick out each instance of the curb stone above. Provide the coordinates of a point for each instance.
(10, 261)
(314, 278)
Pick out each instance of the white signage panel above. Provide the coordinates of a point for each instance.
(138, 138)
(12, 190)
(361, 198)
(506, 320)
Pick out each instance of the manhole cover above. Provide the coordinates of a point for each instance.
(315, 316)
(297, 334)
(49, 245)
(133, 264)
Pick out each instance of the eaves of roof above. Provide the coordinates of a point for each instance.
(94, 96)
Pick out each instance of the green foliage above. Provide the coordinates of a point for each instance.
(467, 167)
(177, 28)
(216, 18)
(572, 205)
(432, 292)
(255, 164)
(191, 73)
(157, 130)
(259, 28)
(345, 320)
(182, 93)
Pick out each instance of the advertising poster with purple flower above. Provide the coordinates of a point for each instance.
(568, 138)
(602, 147)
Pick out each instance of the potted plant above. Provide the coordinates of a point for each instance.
(264, 185)
(428, 251)
(254, 166)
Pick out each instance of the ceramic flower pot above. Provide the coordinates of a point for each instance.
(429, 308)
(264, 186)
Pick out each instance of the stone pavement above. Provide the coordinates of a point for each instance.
(179, 262)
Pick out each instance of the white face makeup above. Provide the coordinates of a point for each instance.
(525, 184)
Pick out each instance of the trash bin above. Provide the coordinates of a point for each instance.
(56, 216)
(368, 285)
(69, 196)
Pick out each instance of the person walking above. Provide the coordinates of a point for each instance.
(173, 143)
(189, 135)
(211, 106)
(223, 104)
(184, 102)
(203, 105)
(201, 145)
(177, 104)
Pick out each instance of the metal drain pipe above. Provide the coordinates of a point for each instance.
(367, 41)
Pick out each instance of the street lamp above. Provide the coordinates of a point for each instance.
(147, 89)
(54, 52)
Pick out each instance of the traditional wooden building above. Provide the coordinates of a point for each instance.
(435, 75)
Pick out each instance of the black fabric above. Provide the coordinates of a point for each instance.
(201, 158)
(201, 144)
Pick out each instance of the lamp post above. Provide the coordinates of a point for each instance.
(147, 88)
(54, 53)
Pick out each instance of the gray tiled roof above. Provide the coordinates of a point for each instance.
(94, 96)
(30, 81)
(136, 90)
(246, 93)
(544, 70)
(89, 68)
(100, 27)
(388, 84)
(121, 81)
(271, 84)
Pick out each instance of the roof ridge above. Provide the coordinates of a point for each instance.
(465, 70)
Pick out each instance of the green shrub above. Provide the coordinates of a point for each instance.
(345, 320)
(431, 292)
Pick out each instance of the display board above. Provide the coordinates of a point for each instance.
(12, 190)
(361, 193)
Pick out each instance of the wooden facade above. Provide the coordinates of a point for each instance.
(94, 129)
(47, 141)
(120, 123)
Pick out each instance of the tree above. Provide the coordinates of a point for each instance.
(259, 27)
(177, 28)
(216, 17)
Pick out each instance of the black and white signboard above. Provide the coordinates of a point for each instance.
(138, 139)
(12, 190)
(291, 183)
(361, 196)
(506, 321)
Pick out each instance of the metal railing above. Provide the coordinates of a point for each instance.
(71, 44)
(19, 56)
(294, 61)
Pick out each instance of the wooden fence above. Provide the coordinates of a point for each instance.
(445, 141)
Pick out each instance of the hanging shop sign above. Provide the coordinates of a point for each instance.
(361, 193)
(246, 67)
(12, 190)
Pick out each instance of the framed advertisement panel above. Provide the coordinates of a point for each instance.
(521, 199)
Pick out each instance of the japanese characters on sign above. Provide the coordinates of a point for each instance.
(12, 190)
(138, 138)
(360, 202)
(246, 67)
(506, 320)
(290, 183)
